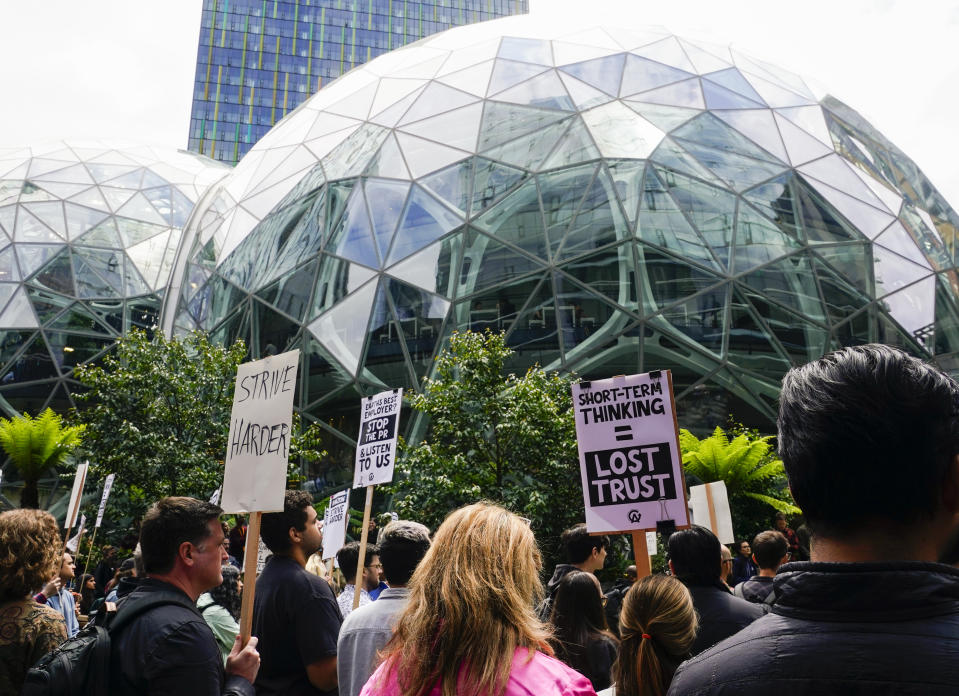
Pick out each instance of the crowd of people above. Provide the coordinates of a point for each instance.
(870, 440)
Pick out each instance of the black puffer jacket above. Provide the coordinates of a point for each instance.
(720, 614)
(842, 628)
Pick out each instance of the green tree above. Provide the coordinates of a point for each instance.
(37, 446)
(492, 436)
(755, 478)
(157, 413)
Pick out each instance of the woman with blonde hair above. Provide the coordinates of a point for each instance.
(30, 554)
(470, 626)
(657, 628)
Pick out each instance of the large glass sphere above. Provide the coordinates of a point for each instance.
(615, 201)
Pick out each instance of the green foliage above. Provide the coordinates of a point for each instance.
(36, 446)
(492, 436)
(746, 462)
(157, 413)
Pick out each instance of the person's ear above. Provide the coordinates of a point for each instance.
(672, 569)
(295, 536)
(185, 552)
(754, 559)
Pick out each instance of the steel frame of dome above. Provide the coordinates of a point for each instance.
(616, 201)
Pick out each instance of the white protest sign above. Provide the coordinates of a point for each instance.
(710, 508)
(215, 498)
(651, 548)
(376, 444)
(75, 495)
(258, 450)
(74, 542)
(262, 556)
(107, 485)
(629, 457)
(336, 519)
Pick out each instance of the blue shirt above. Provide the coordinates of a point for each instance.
(63, 603)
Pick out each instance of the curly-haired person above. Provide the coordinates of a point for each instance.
(30, 554)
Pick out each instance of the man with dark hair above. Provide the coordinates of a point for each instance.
(169, 649)
(348, 558)
(770, 550)
(743, 565)
(402, 545)
(870, 440)
(583, 552)
(294, 612)
(696, 559)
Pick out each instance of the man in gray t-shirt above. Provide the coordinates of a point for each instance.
(402, 545)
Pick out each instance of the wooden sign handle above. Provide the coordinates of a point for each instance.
(640, 555)
(360, 562)
(250, 555)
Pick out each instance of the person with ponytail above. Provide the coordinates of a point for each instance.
(657, 628)
(470, 626)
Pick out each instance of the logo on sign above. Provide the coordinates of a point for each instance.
(634, 516)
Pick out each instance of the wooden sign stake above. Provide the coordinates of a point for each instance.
(362, 558)
(250, 554)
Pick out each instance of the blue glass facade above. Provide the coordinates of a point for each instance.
(259, 59)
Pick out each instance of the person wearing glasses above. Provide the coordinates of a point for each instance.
(770, 550)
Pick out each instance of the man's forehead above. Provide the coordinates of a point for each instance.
(310, 513)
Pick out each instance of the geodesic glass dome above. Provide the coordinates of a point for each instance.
(88, 234)
(615, 201)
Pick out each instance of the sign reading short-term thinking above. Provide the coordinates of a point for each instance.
(258, 447)
(630, 463)
(376, 444)
(335, 519)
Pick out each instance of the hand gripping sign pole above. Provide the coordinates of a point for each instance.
(257, 453)
(630, 464)
(107, 485)
(375, 458)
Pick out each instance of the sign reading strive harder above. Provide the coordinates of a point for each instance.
(258, 449)
(335, 519)
(629, 455)
(376, 444)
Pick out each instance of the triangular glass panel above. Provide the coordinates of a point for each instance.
(913, 308)
(533, 335)
(662, 223)
(18, 314)
(507, 73)
(759, 126)
(235, 326)
(33, 256)
(791, 283)
(621, 132)
(709, 208)
(505, 122)
(776, 96)
(801, 146)
(668, 51)
(384, 361)
(386, 200)
(851, 261)
(628, 180)
(9, 270)
(605, 74)
(388, 161)
(896, 239)
(708, 130)
(131, 180)
(562, 194)
(342, 330)
(749, 344)
(77, 174)
(98, 273)
(776, 200)
(425, 156)
(12, 342)
(352, 238)
(357, 104)
(133, 283)
(527, 50)
(738, 171)
(893, 272)
(451, 185)
(810, 120)
(668, 280)
(432, 269)
(834, 171)
(272, 332)
(583, 95)
(435, 99)
(8, 216)
(566, 53)
(29, 228)
(147, 256)
(474, 80)
(116, 198)
(34, 363)
(642, 75)
(390, 91)
(80, 219)
(353, 155)
(133, 232)
(57, 274)
(32, 193)
(62, 190)
(686, 93)
(758, 240)
(868, 220)
(530, 151)
(706, 58)
(666, 118)
(6, 292)
(730, 79)
(336, 279)
(598, 222)
(488, 263)
(575, 148)
(424, 220)
(459, 128)
(820, 222)
(839, 297)
(544, 91)
(670, 155)
(610, 272)
(151, 179)
(105, 172)
(325, 373)
(80, 319)
(579, 313)
(491, 180)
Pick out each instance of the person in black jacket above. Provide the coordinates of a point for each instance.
(870, 441)
(583, 552)
(744, 567)
(581, 637)
(169, 649)
(696, 559)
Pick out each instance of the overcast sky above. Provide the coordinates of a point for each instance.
(123, 69)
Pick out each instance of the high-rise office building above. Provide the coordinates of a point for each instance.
(259, 59)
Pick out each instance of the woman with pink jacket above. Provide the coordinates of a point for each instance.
(470, 627)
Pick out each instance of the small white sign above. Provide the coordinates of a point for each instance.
(74, 541)
(262, 555)
(376, 444)
(107, 485)
(709, 504)
(630, 463)
(215, 498)
(258, 450)
(336, 518)
(76, 495)
(651, 548)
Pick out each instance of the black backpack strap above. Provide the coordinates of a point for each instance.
(205, 607)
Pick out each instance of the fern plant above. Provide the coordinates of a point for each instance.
(745, 464)
(35, 446)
